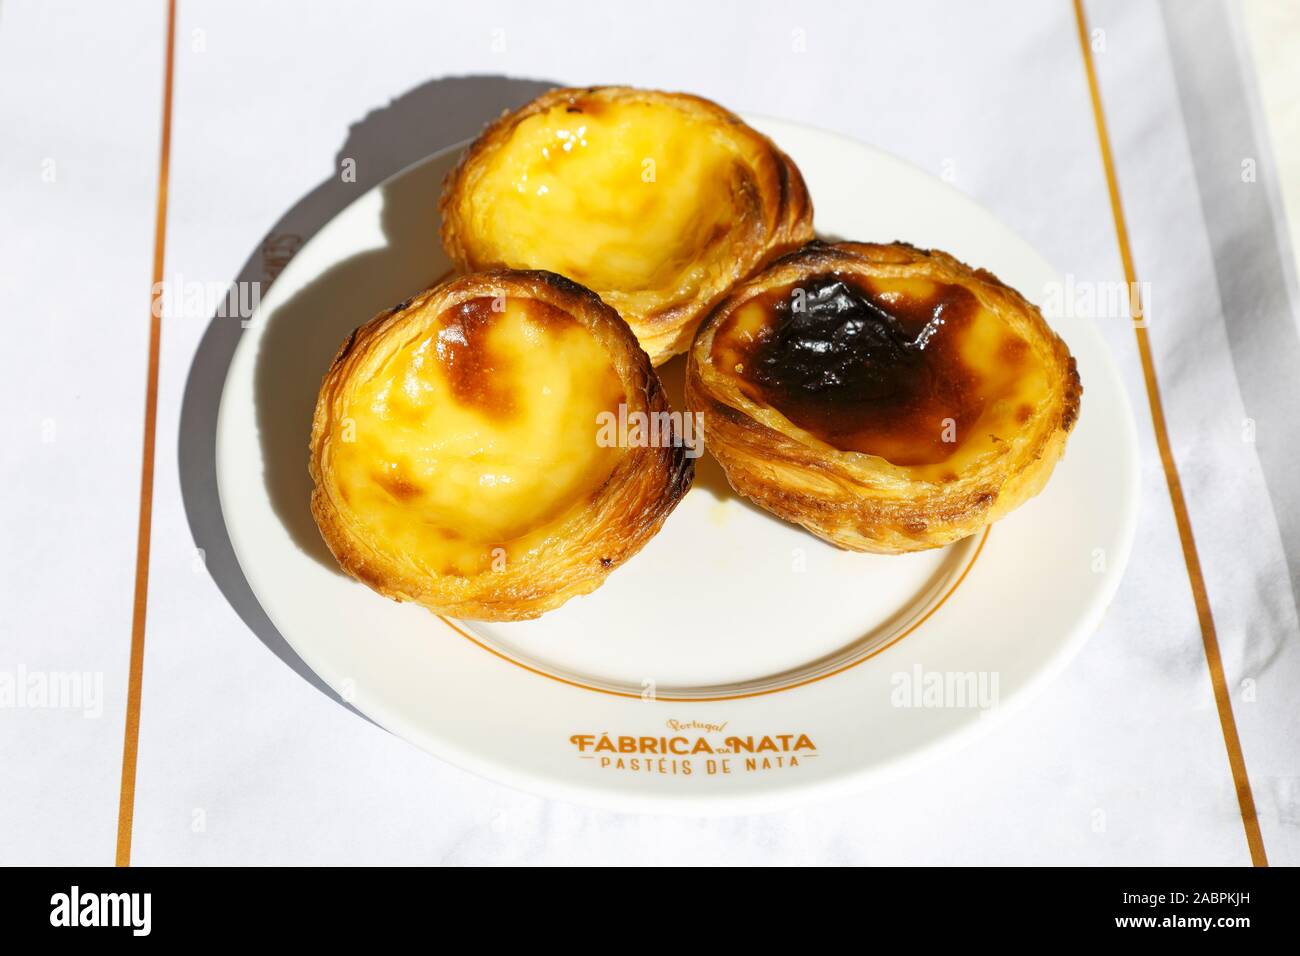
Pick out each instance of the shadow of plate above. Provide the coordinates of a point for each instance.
(306, 330)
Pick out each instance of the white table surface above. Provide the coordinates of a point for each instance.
(242, 759)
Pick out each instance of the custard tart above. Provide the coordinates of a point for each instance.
(887, 398)
(660, 202)
(457, 448)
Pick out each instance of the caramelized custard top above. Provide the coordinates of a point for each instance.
(913, 371)
(623, 197)
(477, 433)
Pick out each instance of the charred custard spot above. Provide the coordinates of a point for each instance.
(1013, 351)
(476, 432)
(396, 482)
(480, 376)
(871, 371)
(473, 370)
(587, 105)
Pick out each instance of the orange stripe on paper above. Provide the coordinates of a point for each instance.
(1237, 762)
(131, 736)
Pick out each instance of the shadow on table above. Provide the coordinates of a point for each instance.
(307, 328)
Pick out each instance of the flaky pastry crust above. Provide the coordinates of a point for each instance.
(565, 557)
(860, 501)
(768, 209)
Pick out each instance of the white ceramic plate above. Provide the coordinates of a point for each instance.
(736, 663)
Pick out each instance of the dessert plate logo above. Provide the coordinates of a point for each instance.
(690, 747)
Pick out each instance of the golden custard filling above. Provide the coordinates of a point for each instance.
(622, 197)
(477, 435)
(913, 371)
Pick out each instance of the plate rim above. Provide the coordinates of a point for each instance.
(781, 793)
